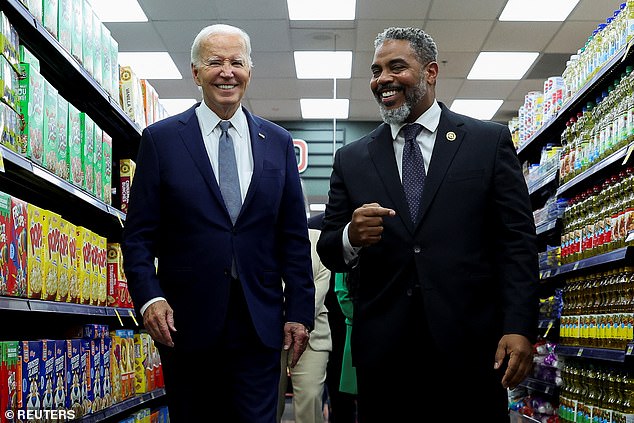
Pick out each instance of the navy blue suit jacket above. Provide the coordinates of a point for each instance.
(472, 254)
(177, 214)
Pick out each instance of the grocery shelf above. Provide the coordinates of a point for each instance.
(122, 407)
(546, 226)
(27, 304)
(588, 352)
(620, 254)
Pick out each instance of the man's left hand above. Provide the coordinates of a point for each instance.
(296, 337)
(520, 358)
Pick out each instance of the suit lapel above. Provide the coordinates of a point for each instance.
(381, 152)
(259, 145)
(192, 138)
(448, 139)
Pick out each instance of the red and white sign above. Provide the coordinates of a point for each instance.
(301, 147)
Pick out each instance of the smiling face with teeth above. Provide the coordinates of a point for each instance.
(401, 84)
(223, 72)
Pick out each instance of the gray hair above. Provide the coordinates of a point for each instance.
(215, 29)
(422, 43)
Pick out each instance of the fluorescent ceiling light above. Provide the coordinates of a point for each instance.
(324, 108)
(479, 109)
(502, 65)
(537, 10)
(118, 11)
(323, 64)
(174, 106)
(150, 65)
(323, 10)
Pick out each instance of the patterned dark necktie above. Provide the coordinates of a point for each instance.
(228, 172)
(413, 169)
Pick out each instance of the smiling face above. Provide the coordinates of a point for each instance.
(223, 73)
(402, 86)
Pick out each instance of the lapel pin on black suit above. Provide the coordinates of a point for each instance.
(451, 136)
(261, 135)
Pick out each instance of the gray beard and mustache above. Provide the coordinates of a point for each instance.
(400, 114)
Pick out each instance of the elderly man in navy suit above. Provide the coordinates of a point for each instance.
(217, 200)
(431, 215)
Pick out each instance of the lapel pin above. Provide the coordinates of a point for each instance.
(261, 135)
(451, 136)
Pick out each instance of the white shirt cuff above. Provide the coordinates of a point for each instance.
(152, 301)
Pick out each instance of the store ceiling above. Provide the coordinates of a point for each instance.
(460, 28)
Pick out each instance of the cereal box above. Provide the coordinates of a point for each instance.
(31, 359)
(5, 227)
(118, 295)
(102, 269)
(75, 152)
(106, 387)
(73, 376)
(64, 24)
(142, 365)
(98, 162)
(115, 366)
(76, 33)
(59, 392)
(84, 263)
(31, 98)
(47, 374)
(18, 249)
(106, 167)
(106, 68)
(27, 57)
(94, 272)
(9, 378)
(52, 266)
(114, 64)
(87, 353)
(62, 170)
(127, 168)
(49, 16)
(73, 270)
(37, 245)
(87, 37)
(88, 152)
(63, 267)
(97, 65)
(35, 7)
(50, 133)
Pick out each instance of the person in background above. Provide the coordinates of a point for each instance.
(217, 200)
(308, 377)
(435, 219)
(345, 290)
(341, 406)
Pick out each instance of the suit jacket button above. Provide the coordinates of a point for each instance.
(409, 292)
(417, 249)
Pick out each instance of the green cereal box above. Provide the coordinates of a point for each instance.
(49, 16)
(97, 64)
(37, 245)
(88, 37)
(5, 224)
(75, 152)
(88, 150)
(64, 23)
(35, 7)
(50, 133)
(27, 57)
(31, 98)
(62, 169)
(77, 31)
(106, 71)
(114, 65)
(107, 168)
(98, 162)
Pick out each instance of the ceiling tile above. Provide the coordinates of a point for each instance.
(136, 36)
(487, 90)
(520, 36)
(275, 109)
(259, 10)
(594, 10)
(571, 37)
(174, 10)
(473, 10)
(380, 9)
(463, 36)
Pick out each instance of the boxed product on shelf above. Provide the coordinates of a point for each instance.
(73, 376)
(87, 40)
(132, 96)
(76, 33)
(63, 273)
(84, 263)
(9, 378)
(35, 7)
(118, 295)
(97, 49)
(18, 243)
(47, 374)
(127, 167)
(31, 99)
(26, 56)
(9, 41)
(29, 397)
(87, 352)
(75, 161)
(73, 269)
(49, 16)
(114, 67)
(143, 368)
(97, 286)
(50, 132)
(38, 219)
(106, 57)
(51, 267)
(107, 168)
(64, 23)
(10, 85)
(88, 155)
(98, 162)
(5, 231)
(59, 392)
(106, 387)
(62, 168)
(102, 270)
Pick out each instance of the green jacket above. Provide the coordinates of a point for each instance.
(348, 382)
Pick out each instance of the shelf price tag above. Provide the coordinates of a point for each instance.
(548, 328)
(133, 319)
(580, 352)
(630, 349)
(118, 316)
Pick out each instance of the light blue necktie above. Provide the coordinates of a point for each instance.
(413, 169)
(228, 172)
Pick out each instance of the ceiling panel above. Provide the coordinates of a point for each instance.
(395, 9)
(471, 10)
(489, 90)
(136, 36)
(520, 36)
(447, 36)
(157, 10)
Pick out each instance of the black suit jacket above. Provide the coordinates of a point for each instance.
(472, 254)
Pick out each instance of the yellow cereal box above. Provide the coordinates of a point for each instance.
(51, 264)
(143, 369)
(63, 268)
(36, 257)
(115, 366)
(94, 275)
(102, 265)
(84, 263)
(73, 267)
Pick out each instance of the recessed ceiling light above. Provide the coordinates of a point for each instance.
(118, 11)
(323, 64)
(502, 65)
(323, 10)
(324, 108)
(537, 10)
(150, 65)
(479, 109)
(174, 106)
